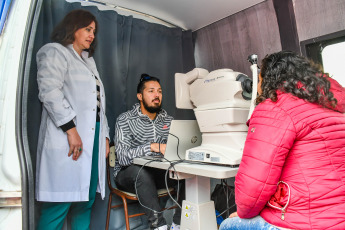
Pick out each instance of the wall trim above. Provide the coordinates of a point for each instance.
(287, 25)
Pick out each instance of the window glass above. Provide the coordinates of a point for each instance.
(333, 59)
(4, 6)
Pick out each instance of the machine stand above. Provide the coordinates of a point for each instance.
(198, 216)
(198, 211)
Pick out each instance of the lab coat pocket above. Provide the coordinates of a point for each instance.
(55, 139)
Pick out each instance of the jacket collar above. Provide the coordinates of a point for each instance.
(84, 54)
(85, 59)
(136, 111)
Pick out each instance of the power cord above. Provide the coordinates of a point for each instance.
(136, 191)
(172, 165)
(166, 184)
(178, 143)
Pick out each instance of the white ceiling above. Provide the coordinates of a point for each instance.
(187, 14)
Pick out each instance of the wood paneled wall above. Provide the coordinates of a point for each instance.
(228, 42)
(319, 17)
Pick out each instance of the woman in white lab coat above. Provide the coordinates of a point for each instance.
(74, 135)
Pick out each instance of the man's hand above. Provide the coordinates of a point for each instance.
(163, 147)
(107, 151)
(158, 148)
(234, 214)
(75, 143)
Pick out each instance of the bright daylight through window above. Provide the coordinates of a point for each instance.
(334, 61)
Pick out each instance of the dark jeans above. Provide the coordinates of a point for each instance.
(148, 182)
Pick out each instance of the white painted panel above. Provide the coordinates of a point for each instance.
(191, 14)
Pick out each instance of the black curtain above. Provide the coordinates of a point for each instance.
(126, 48)
(158, 51)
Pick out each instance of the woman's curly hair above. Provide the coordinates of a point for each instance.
(64, 32)
(289, 72)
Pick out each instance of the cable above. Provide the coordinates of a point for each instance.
(225, 210)
(172, 165)
(166, 180)
(178, 143)
(166, 184)
(136, 191)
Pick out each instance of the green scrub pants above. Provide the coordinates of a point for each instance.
(53, 214)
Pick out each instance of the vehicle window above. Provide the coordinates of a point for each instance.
(334, 62)
(327, 50)
(5, 5)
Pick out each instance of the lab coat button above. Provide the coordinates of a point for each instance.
(93, 128)
(93, 109)
(94, 91)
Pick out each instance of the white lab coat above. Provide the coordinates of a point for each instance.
(67, 89)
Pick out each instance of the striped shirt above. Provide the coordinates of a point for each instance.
(98, 88)
(134, 133)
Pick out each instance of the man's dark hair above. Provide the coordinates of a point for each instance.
(143, 79)
(291, 73)
(64, 32)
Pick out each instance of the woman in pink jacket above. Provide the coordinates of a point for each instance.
(292, 174)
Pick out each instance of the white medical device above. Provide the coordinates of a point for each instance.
(223, 101)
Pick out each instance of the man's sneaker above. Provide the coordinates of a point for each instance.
(164, 227)
(175, 226)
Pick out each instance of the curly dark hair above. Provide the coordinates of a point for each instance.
(291, 73)
(64, 32)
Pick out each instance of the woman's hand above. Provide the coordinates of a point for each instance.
(107, 151)
(75, 143)
(234, 214)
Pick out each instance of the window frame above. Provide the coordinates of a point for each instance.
(312, 48)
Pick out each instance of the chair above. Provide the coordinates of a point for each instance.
(126, 195)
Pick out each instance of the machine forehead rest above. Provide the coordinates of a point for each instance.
(195, 74)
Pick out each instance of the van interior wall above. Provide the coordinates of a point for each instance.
(316, 18)
(126, 48)
(228, 42)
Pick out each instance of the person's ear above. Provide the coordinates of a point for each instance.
(139, 96)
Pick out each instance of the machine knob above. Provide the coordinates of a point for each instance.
(253, 58)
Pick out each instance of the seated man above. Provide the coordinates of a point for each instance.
(139, 132)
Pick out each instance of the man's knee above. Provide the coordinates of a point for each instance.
(144, 177)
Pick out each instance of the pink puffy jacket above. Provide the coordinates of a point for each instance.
(293, 167)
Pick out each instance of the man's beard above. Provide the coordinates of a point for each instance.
(152, 109)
